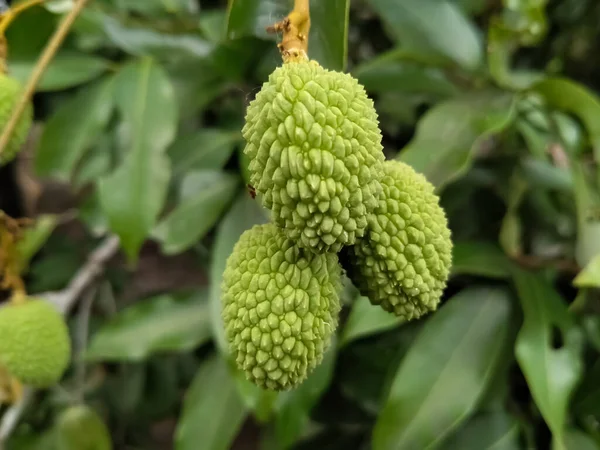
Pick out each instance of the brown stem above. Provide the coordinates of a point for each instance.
(3, 54)
(10, 278)
(295, 28)
(38, 71)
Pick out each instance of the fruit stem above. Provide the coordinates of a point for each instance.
(19, 295)
(3, 54)
(295, 28)
(11, 390)
(48, 54)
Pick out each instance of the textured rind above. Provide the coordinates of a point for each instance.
(34, 342)
(404, 260)
(314, 143)
(10, 90)
(280, 307)
(80, 428)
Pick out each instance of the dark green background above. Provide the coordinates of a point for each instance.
(138, 133)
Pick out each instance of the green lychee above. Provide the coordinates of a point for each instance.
(314, 143)
(80, 428)
(10, 91)
(403, 262)
(280, 306)
(35, 347)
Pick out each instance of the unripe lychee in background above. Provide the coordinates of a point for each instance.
(35, 347)
(80, 428)
(403, 261)
(10, 92)
(280, 306)
(314, 143)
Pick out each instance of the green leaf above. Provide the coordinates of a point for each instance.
(155, 8)
(162, 385)
(576, 99)
(295, 406)
(30, 33)
(145, 8)
(208, 148)
(590, 275)
(328, 38)
(196, 85)
(384, 75)
(243, 215)
(578, 440)
(90, 213)
(66, 70)
(541, 128)
(486, 431)
(205, 195)
(445, 372)
(73, 129)
(148, 42)
(133, 195)
(166, 323)
(587, 399)
(587, 201)
(437, 26)
(59, 6)
(479, 258)
(328, 41)
(212, 24)
(252, 17)
(451, 133)
(35, 237)
(96, 163)
(472, 6)
(502, 44)
(127, 388)
(368, 366)
(551, 373)
(366, 319)
(32, 440)
(212, 412)
(56, 266)
(260, 401)
(329, 439)
(541, 173)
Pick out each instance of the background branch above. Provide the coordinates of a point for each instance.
(64, 300)
(81, 340)
(11, 417)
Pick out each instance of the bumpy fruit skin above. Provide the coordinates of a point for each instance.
(314, 142)
(280, 307)
(34, 342)
(80, 428)
(404, 260)
(10, 91)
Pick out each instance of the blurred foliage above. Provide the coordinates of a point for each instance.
(138, 133)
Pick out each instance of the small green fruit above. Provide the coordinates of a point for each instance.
(34, 342)
(80, 428)
(403, 262)
(280, 307)
(10, 92)
(314, 143)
